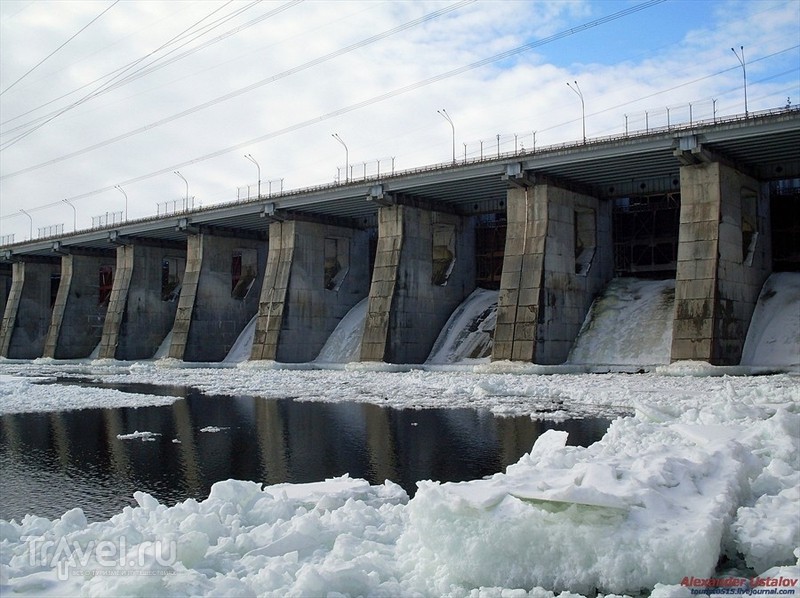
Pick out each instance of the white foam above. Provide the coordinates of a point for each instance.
(774, 334)
(344, 343)
(630, 324)
(243, 347)
(469, 331)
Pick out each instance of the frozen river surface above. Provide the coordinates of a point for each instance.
(697, 477)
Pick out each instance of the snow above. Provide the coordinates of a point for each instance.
(613, 330)
(137, 435)
(469, 331)
(344, 343)
(774, 334)
(32, 394)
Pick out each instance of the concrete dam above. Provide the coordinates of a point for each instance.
(679, 237)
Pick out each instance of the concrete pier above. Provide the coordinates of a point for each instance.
(558, 257)
(724, 257)
(80, 306)
(315, 273)
(143, 300)
(424, 268)
(26, 317)
(218, 295)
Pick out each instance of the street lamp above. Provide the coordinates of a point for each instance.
(446, 116)
(186, 199)
(121, 190)
(744, 75)
(253, 160)
(577, 90)
(346, 155)
(31, 219)
(74, 215)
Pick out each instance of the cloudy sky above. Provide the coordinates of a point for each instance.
(101, 93)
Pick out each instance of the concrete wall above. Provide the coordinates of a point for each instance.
(27, 313)
(718, 280)
(138, 317)
(315, 273)
(558, 257)
(6, 277)
(407, 305)
(209, 318)
(76, 324)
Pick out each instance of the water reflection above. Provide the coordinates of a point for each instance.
(52, 462)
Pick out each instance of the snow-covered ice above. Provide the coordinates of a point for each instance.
(701, 468)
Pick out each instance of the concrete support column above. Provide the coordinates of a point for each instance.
(80, 307)
(558, 256)
(724, 257)
(6, 276)
(27, 313)
(424, 268)
(315, 273)
(143, 301)
(216, 300)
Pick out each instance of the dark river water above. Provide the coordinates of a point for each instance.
(51, 462)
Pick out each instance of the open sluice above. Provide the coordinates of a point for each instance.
(469, 332)
(344, 343)
(241, 349)
(629, 324)
(773, 337)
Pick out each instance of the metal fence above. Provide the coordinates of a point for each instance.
(51, 231)
(107, 219)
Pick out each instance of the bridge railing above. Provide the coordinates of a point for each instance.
(107, 219)
(175, 206)
(50, 231)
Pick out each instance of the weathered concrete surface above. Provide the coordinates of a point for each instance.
(139, 315)
(558, 257)
(722, 264)
(408, 305)
(26, 317)
(6, 277)
(76, 324)
(210, 316)
(315, 273)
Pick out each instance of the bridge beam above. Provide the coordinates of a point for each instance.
(424, 268)
(724, 257)
(218, 295)
(315, 273)
(558, 256)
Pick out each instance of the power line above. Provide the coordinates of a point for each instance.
(38, 64)
(251, 87)
(375, 99)
(147, 69)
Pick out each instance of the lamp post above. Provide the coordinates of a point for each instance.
(346, 155)
(31, 219)
(121, 190)
(253, 160)
(577, 90)
(185, 199)
(446, 116)
(74, 215)
(744, 75)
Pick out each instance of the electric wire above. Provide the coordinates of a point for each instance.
(373, 100)
(112, 84)
(312, 63)
(43, 60)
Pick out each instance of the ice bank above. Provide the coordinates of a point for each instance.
(663, 496)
